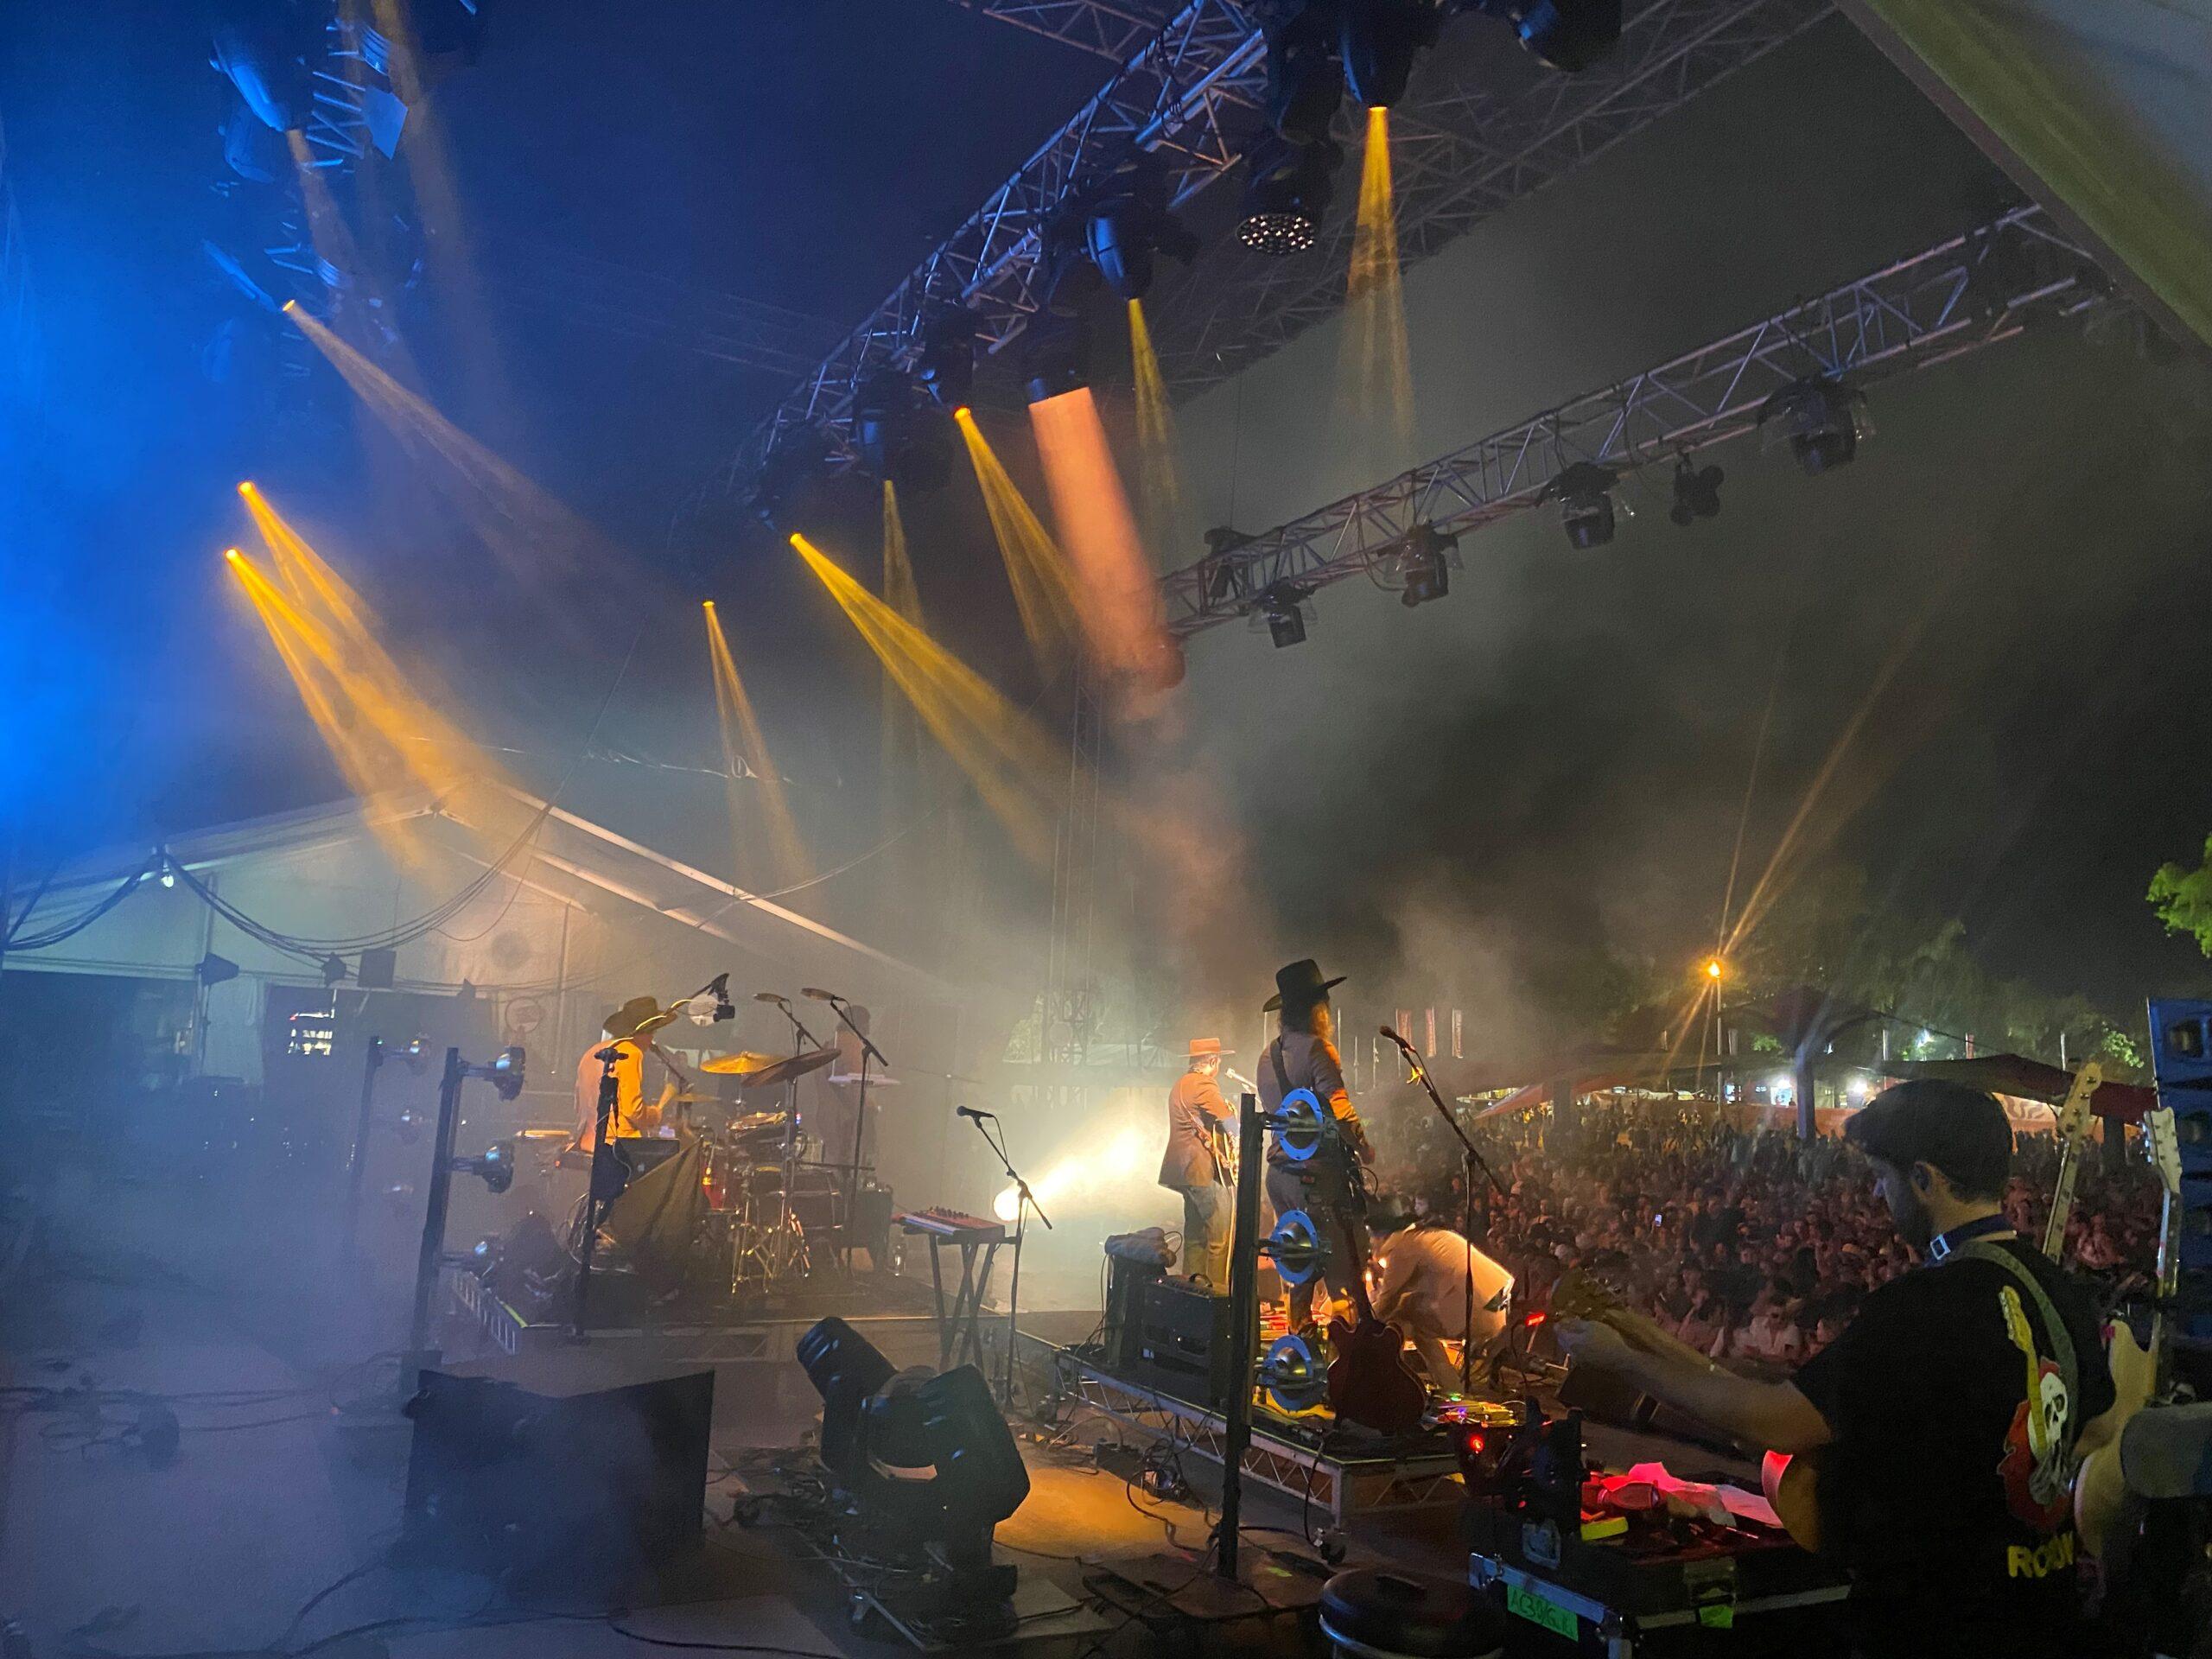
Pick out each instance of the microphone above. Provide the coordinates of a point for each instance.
(780, 1001)
(1398, 1041)
(819, 994)
(971, 1112)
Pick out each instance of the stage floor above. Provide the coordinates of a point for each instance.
(272, 1495)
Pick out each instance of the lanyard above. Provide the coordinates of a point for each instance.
(1981, 1227)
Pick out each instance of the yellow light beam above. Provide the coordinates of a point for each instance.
(1015, 767)
(383, 722)
(1044, 587)
(524, 523)
(1162, 485)
(745, 752)
(1376, 369)
(897, 727)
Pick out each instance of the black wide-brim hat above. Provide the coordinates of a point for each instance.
(625, 1021)
(1300, 985)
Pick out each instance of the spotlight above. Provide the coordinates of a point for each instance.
(1282, 606)
(1058, 360)
(1584, 492)
(1697, 492)
(898, 436)
(1226, 577)
(945, 367)
(1305, 80)
(1378, 40)
(266, 59)
(333, 970)
(214, 969)
(1569, 34)
(926, 1459)
(494, 1165)
(504, 1073)
(796, 457)
(1817, 416)
(1422, 561)
(1285, 194)
(1115, 224)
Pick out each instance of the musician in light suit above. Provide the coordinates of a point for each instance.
(1198, 1117)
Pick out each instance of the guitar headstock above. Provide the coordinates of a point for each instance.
(2073, 1116)
(1578, 1296)
(2163, 1147)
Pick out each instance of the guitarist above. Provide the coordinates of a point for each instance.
(1305, 1056)
(1949, 1415)
(1198, 1116)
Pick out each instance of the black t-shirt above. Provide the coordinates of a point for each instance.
(1959, 1538)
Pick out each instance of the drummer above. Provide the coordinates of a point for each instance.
(631, 1116)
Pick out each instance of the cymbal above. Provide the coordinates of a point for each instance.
(697, 1100)
(876, 1081)
(546, 1134)
(738, 1065)
(759, 1122)
(768, 1071)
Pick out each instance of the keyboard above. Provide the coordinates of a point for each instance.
(952, 1224)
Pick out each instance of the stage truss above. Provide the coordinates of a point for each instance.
(1478, 130)
(1341, 1487)
(1958, 296)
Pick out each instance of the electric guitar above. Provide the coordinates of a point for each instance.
(2073, 1129)
(2103, 1513)
(1791, 1483)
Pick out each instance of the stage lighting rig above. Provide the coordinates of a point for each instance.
(333, 970)
(1287, 193)
(1284, 611)
(944, 364)
(901, 436)
(1569, 34)
(1419, 565)
(1819, 417)
(1377, 41)
(1585, 494)
(926, 1463)
(1305, 81)
(799, 455)
(1057, 359)
(265, 56)
(1114, 226)
(1697, 492)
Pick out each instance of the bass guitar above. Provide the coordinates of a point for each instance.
(2103, 1512)
(2072, 1130)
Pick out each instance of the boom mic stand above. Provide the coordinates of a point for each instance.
(1024, 1202)
(1471, 1160)
(868, 1052)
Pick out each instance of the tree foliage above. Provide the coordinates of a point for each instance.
(2182, 900)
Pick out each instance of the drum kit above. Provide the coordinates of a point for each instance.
(758, 1190)
(755, 1178)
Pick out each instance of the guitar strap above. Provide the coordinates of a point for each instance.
(2062, 1341)
(1283, 1078)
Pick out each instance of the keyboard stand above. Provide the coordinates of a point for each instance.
(960, 1331)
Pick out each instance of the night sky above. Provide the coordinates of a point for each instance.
(1550, 763)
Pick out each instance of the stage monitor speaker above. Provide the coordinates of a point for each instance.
(376, 970)
(1135, 1261)
(571, 1468)
(1183, 1342)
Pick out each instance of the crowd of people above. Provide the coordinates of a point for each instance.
(1747, 1243)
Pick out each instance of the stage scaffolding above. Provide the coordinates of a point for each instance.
(1478, 129)
(1965, 293)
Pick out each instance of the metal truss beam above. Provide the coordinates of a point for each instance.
(1463, 148)
(1169, 99)
(1956, 297)
(1104, 31)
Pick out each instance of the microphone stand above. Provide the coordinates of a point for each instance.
(1471, 1160)
(868, 1052)
(802, 1040)
(1024, 1202)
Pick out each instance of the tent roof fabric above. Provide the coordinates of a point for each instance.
(2027, 1079)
